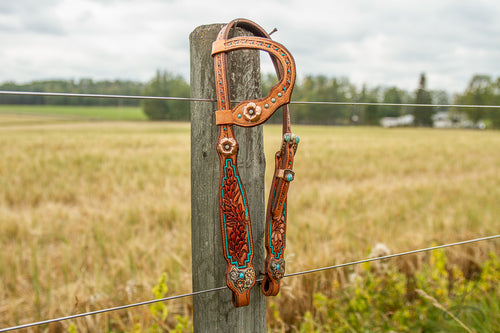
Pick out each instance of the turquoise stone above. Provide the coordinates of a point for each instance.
(239, 115)
(241, 276)
(287, 137)
(266, 106)
(297, 139)
(289, 177)
(277, 266)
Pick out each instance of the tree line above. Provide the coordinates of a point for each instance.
(82, 86)
(481, 90)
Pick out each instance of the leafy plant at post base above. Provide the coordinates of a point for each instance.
(160, 313)
(379, 302)
(158, 309)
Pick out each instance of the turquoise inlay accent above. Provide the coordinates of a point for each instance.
(241, 276)
(269, 45)
(287, 137)
(284, 88)
(229, 164)
(297, 139)
(276, 49)
(289, 177)
(239, 115)
(277, 266)
(288, 71)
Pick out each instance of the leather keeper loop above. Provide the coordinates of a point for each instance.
(218, 46)
(285, 174)
(223, 117)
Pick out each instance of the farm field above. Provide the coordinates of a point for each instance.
(92, 213)
(61, 113)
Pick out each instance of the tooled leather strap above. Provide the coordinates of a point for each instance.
(234, 215)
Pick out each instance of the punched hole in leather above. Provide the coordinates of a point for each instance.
(235, 221)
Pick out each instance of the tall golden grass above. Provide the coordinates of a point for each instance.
(91, 214)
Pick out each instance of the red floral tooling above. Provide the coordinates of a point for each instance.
(235, 216)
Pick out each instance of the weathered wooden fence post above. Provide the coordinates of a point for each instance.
(214, 312)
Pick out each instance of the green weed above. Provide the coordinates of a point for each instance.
(379, 302)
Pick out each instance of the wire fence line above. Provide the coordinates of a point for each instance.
(194, 293)
(189, 99)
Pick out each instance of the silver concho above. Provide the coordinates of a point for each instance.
(242, 279)
(277, 268)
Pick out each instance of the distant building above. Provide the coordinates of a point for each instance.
(406, 120)
(442, 119)
(446, 119)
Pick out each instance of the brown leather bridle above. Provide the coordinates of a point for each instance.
(235, 223)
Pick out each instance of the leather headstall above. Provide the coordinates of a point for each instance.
(235, 222)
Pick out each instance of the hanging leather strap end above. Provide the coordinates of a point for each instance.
(223, 117)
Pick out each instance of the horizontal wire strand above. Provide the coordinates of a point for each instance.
(90, 313)
(394, 255)
(59, 94)
(190, 99)
(49, 321)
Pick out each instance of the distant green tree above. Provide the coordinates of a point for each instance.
(166, 85)
(423, 114)
(392, 95)
(480, 91)
(371, 113)
(494, 113)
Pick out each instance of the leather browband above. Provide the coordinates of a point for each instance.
(235, 222)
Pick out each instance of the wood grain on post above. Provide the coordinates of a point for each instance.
(214, 311)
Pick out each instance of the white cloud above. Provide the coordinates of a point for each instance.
(385, 42)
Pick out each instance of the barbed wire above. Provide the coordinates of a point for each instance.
(194, 293)
(190, 99)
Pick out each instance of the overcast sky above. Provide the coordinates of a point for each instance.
(377, 42)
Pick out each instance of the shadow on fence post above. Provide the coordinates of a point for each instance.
(214, 312)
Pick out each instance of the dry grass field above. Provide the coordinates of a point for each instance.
(92, 213)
